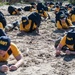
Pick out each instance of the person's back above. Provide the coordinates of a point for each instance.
(2, 21)
(28, 8)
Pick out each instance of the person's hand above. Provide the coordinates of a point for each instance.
(57, 53)
(13, 68)
(67, 52)
(4, 68)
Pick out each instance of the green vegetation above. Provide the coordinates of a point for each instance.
(72, 1)
(4, 3)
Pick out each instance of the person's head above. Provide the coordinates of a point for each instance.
(57, 3)
(4, 45)
(19, 9)
(25, 20)
(70, 7)
(62, 17)
(33, 4)
(57, 6)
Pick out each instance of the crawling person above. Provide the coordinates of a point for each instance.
(14, 11)
(8, 48)
(63, 22)
(30, 23)
(67, 44)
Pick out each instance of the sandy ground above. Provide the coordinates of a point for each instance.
(38, 50)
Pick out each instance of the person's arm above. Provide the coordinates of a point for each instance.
(58, 49)
(58, 25)
(71, 52)
(61, 44)
(19, 59)
(18, 56)
(37, 30)
(68, 52)
(4, 68)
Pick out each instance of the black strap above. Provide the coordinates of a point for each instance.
(9, 52)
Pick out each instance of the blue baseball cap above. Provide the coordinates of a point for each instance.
(62, 16)
(25, 20)
(4, 43)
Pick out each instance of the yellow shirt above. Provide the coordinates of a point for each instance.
(63, 42)
(64, 25)
(15, 12)
(27, 27)
(44, 14)
(14, 50)
(73, 18)
(1, 26)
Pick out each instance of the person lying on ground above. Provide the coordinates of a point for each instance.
(14, 11)
(6, 49)
(66, 44)
(41, 9)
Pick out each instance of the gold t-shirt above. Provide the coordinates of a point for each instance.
(15, 52)
(27, 27)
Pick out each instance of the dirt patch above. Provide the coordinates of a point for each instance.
(38, 50)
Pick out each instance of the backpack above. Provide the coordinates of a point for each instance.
(36, 18)
(2, 19)
(70, 38)
(2, 33)
(11, 9)
(27, 8)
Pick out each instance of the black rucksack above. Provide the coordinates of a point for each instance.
(36, 18)
(2, 19)
(11, 9)
(27, 8)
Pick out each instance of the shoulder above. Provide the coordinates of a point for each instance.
(13, 45)
(68, 20)
(64, 38)
(58, 21)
